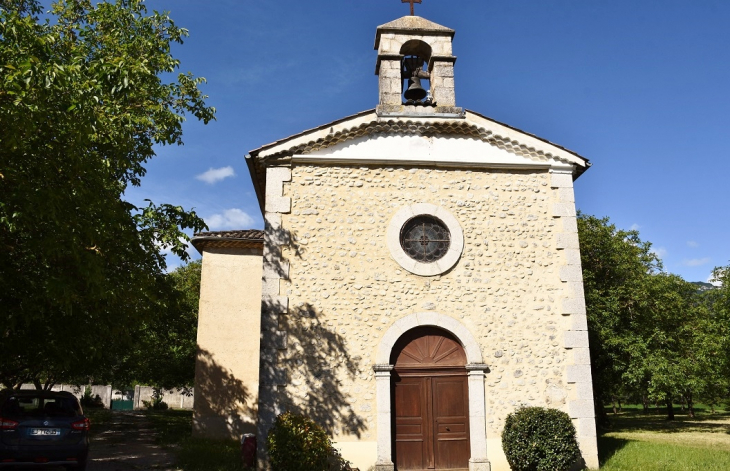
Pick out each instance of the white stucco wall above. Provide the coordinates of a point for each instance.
(227, 367)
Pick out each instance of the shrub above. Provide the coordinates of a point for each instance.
(297, 443)
(89, 400)
(539, 439)
(155, 402)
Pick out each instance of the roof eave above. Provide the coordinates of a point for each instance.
(205, 242)
(579, 169)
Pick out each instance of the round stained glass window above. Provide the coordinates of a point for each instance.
(425, 239)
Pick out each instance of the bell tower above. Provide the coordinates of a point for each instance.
(415, 67)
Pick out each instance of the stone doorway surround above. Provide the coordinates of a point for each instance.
(475, 370)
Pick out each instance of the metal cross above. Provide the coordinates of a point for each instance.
(411, 2)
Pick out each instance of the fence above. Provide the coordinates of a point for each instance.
(103, 392)
(175, 398)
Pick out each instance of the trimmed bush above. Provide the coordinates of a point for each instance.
(539, 439)
(297, 443)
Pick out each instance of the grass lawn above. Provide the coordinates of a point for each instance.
(636, 441)
(639, 441)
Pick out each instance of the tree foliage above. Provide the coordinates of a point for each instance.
(83, 102)
(615, 264)
(652, 335)
(165, 349)
(297, 443)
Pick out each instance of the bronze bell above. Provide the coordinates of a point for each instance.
(415, 90)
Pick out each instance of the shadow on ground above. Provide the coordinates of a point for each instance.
(634, 421)
(127, 442)
(609, 446)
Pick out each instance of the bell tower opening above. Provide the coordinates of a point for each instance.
(416, 56)
(415, 69)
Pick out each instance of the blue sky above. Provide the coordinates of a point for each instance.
(642, 89)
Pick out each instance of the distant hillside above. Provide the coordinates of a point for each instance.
(703, 286)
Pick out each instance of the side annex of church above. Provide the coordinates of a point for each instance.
(418, 278)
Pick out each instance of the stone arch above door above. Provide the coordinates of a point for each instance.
(404, 324)
(428, 347)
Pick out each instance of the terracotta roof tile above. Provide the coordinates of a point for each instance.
(247, 234)
(243, 239)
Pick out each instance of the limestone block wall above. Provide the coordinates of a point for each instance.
(274, 306)
(578, 374)
(227, 365)
(515, 288)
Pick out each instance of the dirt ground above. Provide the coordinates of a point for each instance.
(126, 443)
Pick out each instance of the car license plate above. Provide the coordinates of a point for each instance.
(45, 432)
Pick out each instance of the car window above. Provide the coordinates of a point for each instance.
(28, 406)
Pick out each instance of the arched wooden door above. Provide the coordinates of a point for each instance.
(430, 402)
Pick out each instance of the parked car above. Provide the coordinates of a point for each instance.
(42, 428)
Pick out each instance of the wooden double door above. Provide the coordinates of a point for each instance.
(430, 403)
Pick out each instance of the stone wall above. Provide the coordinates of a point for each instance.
(344, 289)
(174, 398)
(104, 392)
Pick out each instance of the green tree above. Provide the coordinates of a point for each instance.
(616, 267)
(86, 92)
(669, 340)
(716, 317)
(651, 333)
(164, 355)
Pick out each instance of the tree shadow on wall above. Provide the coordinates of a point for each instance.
(316, 363)
(275, 238)
(222, 401)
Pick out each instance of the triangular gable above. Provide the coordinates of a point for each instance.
(411, 149)
(367, 138)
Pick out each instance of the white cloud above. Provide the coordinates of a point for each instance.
(173, 261)
(692, 243)
(233, 218)
(167, 249)
(695, 262)
(634, 227)
(660, 252)
(713, 281)
(214, 175)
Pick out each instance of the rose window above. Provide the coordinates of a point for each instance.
(425, 239)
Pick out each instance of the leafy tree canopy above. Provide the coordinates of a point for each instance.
(164, 353)
(652, 334)
(86, 92)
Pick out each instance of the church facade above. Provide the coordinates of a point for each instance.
(418, 278)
